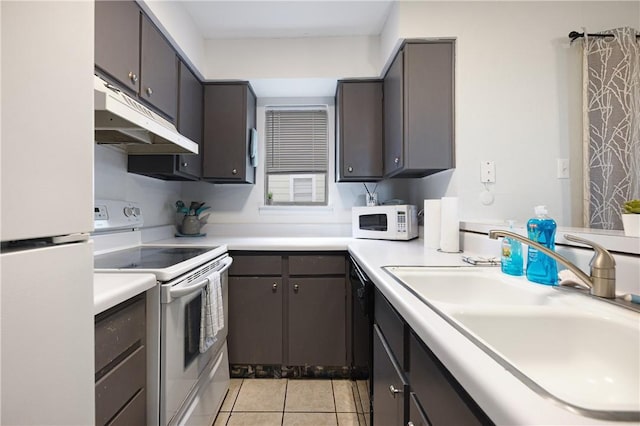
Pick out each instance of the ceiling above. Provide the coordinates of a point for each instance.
(224, 19)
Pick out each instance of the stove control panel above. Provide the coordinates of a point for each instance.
(109, 215)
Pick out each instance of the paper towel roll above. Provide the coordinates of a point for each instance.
(432, 210)
(450, 225)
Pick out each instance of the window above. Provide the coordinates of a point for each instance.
(297, 156)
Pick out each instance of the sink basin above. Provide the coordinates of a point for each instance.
(582, 352)
(588, 360)
(471, 286)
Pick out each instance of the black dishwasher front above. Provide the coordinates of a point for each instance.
(362, 328)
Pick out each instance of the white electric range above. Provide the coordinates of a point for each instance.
(187, 379)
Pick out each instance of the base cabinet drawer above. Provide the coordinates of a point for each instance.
(134, 413)
(118, 330)
(260, 265)
(120, 385)
(317, 265)
(392, 327)
(444, 401)
(389, 386)
(121, 364)
(416, 414)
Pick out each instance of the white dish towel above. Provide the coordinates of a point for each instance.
(212, 312)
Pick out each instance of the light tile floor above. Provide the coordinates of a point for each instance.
(289, 402)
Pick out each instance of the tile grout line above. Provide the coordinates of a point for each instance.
(284, 405)
(335, 407)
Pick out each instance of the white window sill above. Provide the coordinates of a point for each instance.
(295, 210)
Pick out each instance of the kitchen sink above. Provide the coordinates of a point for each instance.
(575, 349)
(591, 361)
(470, 286)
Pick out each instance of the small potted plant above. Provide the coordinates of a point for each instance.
(269, 198)
(631, 218)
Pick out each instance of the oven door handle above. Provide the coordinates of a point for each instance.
(178, 291)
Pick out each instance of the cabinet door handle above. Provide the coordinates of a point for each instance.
(396, 160)
(133, 77)
(274, 287)
(296, 288)
(234, 171)
(149, 91)
(409, 423)
(185, 164)
(394, 391)
(350, 169)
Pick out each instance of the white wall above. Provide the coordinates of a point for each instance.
(518, 98)
(157, 198)
(242, 203)
(311, 57)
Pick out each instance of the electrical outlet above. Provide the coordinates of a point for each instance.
(563, 168)
(487, 172)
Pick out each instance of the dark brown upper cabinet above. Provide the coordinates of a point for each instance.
(190, 119)
(131, 51)
(419, 110)
(359, 130)
(229, 116)
(158, 70)
(117, 41)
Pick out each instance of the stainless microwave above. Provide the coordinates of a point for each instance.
(393, 222)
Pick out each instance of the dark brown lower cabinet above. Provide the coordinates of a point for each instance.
(120, 363)
(416, 413)
(288, 309)
(255, 320)
(389, 384)
(317, 321)
(445, 402)
(410, 384)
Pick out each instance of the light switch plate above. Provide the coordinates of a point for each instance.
(563, 168)
(487, 172)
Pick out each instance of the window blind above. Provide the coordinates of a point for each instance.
(296, 141)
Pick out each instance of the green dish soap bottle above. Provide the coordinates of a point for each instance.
(511, 259)
(540, 267)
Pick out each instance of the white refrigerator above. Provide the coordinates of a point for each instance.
(46, 213)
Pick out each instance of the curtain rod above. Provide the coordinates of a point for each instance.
(573, 35)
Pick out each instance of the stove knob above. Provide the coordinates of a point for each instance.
(128, 211)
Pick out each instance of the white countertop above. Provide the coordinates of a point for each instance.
(503, 397)
(112, 289)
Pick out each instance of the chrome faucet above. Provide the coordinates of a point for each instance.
(601, 283)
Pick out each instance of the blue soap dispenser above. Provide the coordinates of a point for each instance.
(511, 259)
(540, 267)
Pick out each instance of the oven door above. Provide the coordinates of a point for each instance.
(181, 362)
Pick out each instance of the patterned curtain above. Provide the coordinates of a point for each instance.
(611, 99)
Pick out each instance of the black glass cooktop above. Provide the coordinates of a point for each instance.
(147, 257)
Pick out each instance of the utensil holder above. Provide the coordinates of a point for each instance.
(190, 225)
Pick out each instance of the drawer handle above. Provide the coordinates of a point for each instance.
(234, 171)
(274, 287)
(394, 391)
(350, 169)
(296, 288)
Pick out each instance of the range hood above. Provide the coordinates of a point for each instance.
(123, 121)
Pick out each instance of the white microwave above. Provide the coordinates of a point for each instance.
(392, 222)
